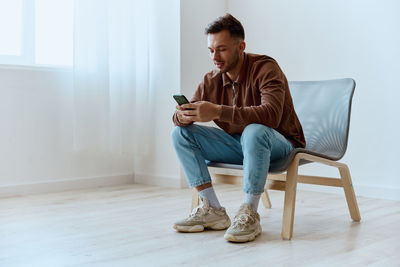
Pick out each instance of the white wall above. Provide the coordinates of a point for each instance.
(36, 115)
(36, 137)
(315, 40)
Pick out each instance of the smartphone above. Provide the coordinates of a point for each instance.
(181, 99)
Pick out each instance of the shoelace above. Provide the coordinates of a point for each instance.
(198, 211)
(242, 219)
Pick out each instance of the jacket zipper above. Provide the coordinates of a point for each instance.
(234, 94)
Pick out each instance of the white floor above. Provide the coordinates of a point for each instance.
(132, 226)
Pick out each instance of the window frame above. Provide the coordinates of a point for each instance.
(28, 42)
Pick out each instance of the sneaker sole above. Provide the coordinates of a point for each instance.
(200, 228)
(243, 238)
(189, 229)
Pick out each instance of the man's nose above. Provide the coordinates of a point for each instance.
(215, 56)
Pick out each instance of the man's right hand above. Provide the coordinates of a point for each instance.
(181, 117)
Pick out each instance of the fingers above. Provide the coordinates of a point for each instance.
(189, 106)
(185, 119)
(186, 107)
(189, 112)
(186, 113)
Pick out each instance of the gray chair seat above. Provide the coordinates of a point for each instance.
(276, 166)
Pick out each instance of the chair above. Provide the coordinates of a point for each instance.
(323, 108)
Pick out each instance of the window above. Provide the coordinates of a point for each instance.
(10, 14)
(36, 32)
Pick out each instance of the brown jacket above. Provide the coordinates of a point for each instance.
(260, 94)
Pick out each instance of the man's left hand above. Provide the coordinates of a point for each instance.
(202, 111)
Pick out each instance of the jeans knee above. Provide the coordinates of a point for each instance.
(256, 135)
(180, 133)
(176, 134)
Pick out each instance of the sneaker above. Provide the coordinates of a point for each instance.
(246, 225)
(204, 217)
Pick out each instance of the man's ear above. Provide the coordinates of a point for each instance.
(242, 46)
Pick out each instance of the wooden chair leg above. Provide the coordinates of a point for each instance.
(290, 200)
(265, 199)
(349, 193)
(195, 199)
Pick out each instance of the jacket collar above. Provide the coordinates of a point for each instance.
(242, 73)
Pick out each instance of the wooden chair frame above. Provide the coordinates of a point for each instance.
(288, 182)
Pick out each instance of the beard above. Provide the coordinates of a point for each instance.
(231, 63)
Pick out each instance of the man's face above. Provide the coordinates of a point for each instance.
(224, 50)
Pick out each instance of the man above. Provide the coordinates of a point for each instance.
(248, 97)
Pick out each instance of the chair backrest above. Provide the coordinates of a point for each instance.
(323, 108)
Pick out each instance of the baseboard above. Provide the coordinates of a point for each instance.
(165, 181)
(65, 185)
(370, 191)
(377, 191)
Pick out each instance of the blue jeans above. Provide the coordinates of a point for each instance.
(254, 148)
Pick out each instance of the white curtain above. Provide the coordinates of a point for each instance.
(126, 68)
(110, 73)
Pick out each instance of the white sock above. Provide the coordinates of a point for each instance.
(252, 200)
(209, 193)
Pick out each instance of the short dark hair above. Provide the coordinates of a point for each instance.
(227, 22)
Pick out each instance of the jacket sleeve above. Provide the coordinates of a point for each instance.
(271, 83)
(197, 96)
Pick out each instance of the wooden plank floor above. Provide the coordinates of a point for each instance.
(132, 226)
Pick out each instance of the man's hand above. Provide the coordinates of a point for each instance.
(201, 111)
(181, 117)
